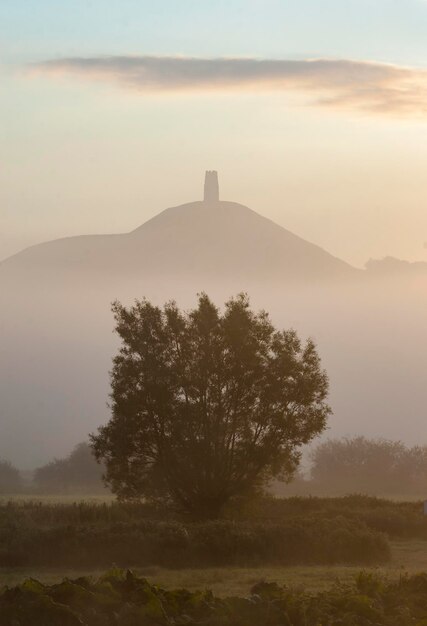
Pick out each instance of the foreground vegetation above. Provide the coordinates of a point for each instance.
(123, 599)
(48, 541)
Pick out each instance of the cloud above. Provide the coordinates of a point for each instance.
(363, 86)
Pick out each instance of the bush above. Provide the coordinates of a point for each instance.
(123, 599)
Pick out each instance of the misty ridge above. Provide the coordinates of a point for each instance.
(56, 322)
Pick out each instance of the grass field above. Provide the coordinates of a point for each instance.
(408, 556)
(108, 498)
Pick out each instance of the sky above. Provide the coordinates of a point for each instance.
(314, 113)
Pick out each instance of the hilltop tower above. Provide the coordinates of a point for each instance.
(211, 187)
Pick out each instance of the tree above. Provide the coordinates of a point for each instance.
(77, 473)
(10, 478)
(206, 406)
(375, 466)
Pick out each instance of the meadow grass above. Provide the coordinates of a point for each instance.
(106, 498)
(407, 557)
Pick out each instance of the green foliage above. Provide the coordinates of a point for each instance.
(120, 598)
(207, 406)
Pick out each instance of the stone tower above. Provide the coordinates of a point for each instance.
(211, 187)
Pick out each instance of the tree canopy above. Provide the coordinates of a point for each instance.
(207, 405)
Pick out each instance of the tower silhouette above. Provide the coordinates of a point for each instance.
(211, 187)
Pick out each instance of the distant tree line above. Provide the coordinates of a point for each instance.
(11, 480)
(370, 466)
(78, 473)
(337, 467)
(360, 465)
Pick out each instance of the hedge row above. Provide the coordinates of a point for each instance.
(173, 544)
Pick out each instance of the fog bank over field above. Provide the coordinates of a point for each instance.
(56, 325)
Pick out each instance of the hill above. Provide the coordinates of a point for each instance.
(211, 239)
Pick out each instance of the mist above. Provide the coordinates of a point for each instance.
(57, 328)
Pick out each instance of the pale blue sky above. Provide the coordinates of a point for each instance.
(80, 154)
(391, 30)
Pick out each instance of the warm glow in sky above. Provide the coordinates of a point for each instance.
(315, 114)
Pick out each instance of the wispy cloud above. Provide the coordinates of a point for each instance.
(363, 86)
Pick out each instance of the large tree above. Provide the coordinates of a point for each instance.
(206, 405)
